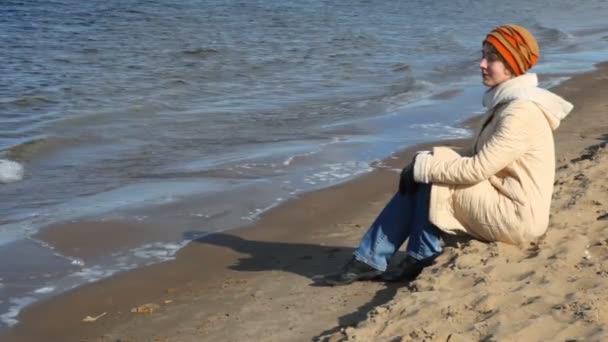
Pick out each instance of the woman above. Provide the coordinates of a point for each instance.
(499, 191)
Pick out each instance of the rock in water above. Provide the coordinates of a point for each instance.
(10, 171)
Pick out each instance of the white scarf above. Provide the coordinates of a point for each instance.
(525, 87)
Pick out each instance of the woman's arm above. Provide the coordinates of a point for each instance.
(509, 142)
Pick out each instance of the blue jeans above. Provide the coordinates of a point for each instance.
(404, 216)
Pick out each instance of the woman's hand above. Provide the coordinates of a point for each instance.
(406, 180)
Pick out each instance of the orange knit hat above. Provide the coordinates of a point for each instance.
(516, 45)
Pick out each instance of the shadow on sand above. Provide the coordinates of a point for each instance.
(307, 260)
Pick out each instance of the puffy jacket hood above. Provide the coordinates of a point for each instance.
(525, 87)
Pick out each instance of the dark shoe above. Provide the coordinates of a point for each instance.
(353, 271)
(408, 269)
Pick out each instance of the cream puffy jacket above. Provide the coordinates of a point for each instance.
(502, 190)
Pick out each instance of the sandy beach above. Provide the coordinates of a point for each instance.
(258, 283)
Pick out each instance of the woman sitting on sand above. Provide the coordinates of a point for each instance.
(499, 191)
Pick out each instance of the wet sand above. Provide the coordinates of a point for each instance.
(257, 283)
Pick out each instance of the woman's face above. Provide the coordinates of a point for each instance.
(493, 69)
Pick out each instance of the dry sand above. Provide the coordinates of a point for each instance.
(256, 284)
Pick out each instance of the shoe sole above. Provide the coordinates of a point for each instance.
(363, 278)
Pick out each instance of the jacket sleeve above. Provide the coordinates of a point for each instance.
(508, 143)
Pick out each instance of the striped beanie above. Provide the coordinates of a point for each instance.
(516, 45)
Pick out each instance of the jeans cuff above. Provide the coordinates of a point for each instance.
(421, 257)
(369, 262)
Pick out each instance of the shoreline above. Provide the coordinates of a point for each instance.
(60, 255)
(266, 228)
(213, 283)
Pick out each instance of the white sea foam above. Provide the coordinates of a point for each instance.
(151, 253)
(10, 171)
(201, 215)
(441, 131)
(9, 317)
(254, 214)
(157, 251)
(44, 244)
(288, 161)
(338, 172)
(45, 290)
(94, 273)
(551, 82)
(77, 262)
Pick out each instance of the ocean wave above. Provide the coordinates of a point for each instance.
(33, 148)
(550, 35)
(244, 171)
(590, 31)
(407, 87)
(406, 93)
(90, 51)
(62, 60)
(10, 171)
(25, 101)
(200, 52)
(402, 67)
(447, 94)
(178, 82)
